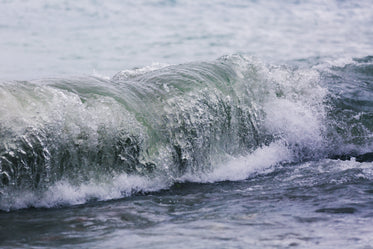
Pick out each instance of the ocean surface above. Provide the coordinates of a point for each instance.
(186, 124)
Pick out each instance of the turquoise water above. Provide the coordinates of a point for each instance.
(158, 124)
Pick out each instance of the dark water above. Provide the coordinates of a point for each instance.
(310, 206)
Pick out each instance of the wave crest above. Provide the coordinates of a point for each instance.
(164, 124)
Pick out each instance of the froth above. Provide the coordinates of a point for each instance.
(262, 160)
(64, 193)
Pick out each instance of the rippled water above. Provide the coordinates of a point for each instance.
(311, 205)
(54, 38)
(162, 124)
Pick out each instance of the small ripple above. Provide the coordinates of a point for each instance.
(310, 219)
(342, 210)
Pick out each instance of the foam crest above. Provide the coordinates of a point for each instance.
(131, 73)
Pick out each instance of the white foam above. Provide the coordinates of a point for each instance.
(261, 160)
(100, 75)
(293, 122)
(64, 193)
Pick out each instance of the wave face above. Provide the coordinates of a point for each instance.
(68, 141)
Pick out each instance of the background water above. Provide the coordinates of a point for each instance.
(156, 124)
(54, 38)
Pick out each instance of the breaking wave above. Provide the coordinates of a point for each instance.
(69, 141)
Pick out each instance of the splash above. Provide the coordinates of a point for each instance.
(67, 141)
